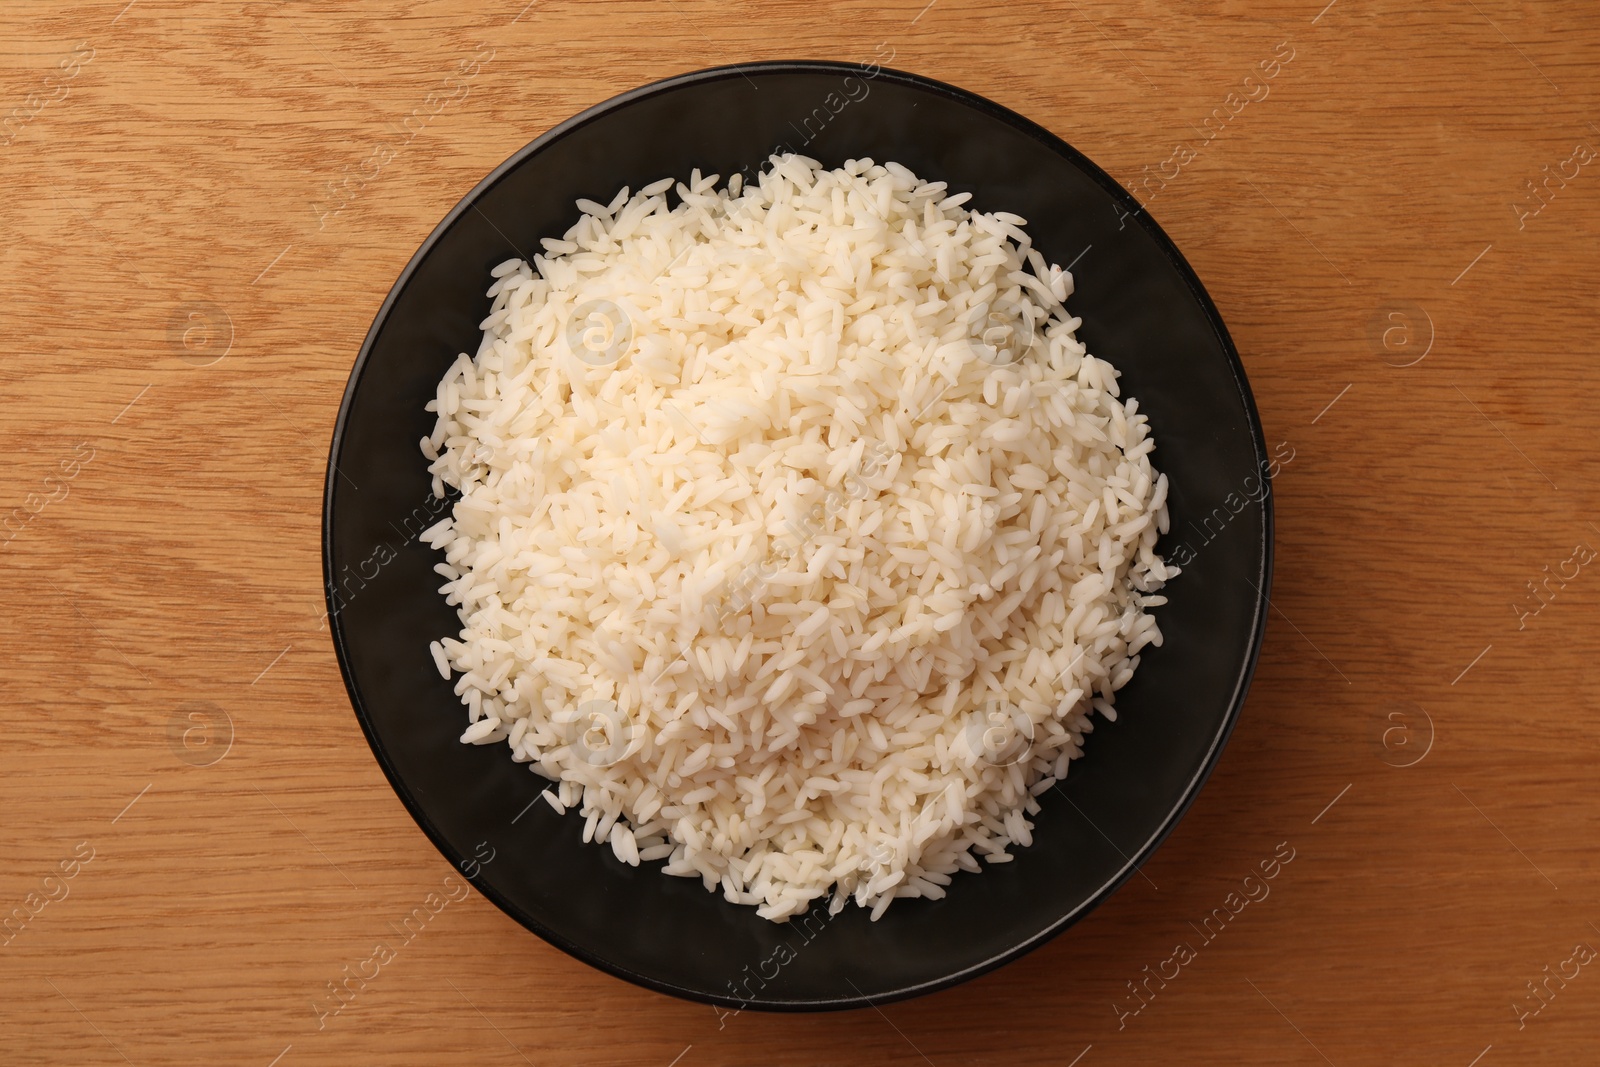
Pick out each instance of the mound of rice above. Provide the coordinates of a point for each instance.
(798, 537)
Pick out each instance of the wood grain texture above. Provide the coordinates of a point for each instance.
(173, 166)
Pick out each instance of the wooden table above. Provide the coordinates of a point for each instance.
(205, 203)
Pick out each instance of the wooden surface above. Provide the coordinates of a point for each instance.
(204, 204)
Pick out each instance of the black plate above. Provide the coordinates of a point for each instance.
(1142, 308)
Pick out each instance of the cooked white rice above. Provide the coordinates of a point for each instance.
(798, 535)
